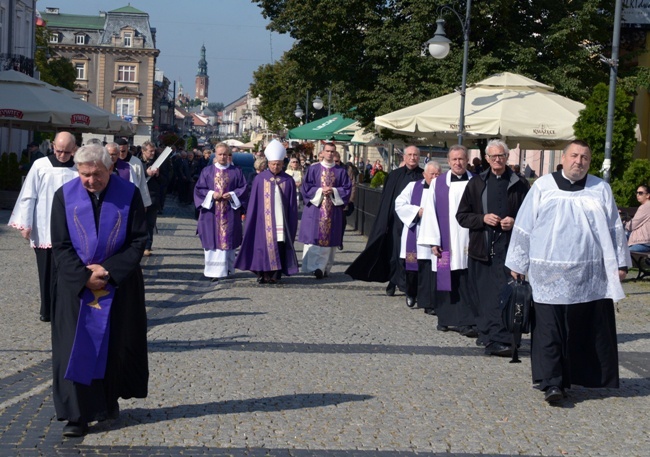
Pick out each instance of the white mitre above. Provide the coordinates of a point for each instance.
(275, 151)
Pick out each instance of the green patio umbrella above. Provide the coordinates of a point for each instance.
(323, 129)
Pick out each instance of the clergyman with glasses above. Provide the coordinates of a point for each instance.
(31, 215)
(488, 208)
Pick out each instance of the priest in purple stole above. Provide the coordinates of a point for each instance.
(99, 322)
(271, 222)
(220, 195)
(325, 189)
(449, 242)
(416, 259)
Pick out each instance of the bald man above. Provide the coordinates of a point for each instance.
(31, 215)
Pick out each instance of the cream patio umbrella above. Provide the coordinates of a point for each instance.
(28, 103)
(506, 105)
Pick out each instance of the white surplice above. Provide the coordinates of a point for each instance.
(34, 205)
(430, 229)
(408, 214)
(571, 244)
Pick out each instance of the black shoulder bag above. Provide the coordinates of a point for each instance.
(516, 308)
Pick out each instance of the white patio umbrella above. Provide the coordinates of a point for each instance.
(28, 103)
(233, 142)
(506, 105)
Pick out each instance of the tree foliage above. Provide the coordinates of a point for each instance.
(637, 173)
(591, 127)
(57, 71)
(369, 52)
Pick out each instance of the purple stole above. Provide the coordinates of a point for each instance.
(89, 352)
(123, 169)
(411, 260)
(327, 178)
(222, 209)
(443, 277)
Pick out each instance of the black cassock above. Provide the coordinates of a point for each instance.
(127, 371)
(379, 261)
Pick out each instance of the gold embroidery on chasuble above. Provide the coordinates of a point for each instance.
(411, 257)
(221, 209)
(112, 236)
(81, 231)
(269, 195)
(327, 179)
(99, 293)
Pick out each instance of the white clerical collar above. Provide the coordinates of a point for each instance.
(221, 167)
(327, 165)
(565, 177)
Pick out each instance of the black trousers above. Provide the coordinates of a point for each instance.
(574, 344)
(151, 217)
(46, 279)
(486, 279)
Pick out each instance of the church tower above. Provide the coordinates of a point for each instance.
(202, 79)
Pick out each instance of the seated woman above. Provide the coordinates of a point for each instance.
(639, 225)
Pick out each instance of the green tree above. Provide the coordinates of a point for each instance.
(215, 107)
(625, 188)
(591, 126)
(56, 71)
(369, 52)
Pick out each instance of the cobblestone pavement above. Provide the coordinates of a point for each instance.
(308, 368)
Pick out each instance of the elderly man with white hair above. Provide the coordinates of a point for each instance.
(271, 222)
(99, 320)
(488, 209)
(31, 214)
(409, 206)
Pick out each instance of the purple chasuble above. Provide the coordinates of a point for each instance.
(123, 169)
(443, 277)
(90, 348)
(259, 251)
(411, 235)
(220, 227)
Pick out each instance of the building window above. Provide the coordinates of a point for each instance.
(54, 38)
(125, 107)
(127, 39)
(80, 39)
(126, 73)
(81, 70)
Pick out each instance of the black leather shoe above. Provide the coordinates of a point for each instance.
(214, 279)
(442, 328)
(430, 311)
(410, 301)
(75, 429)
(44, 318)
(553, 394)
(468, 331)
(318, 273)
(498, 349)
(390, 289)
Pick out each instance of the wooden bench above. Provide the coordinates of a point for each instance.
(639, 261)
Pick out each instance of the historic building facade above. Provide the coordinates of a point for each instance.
(114, 55)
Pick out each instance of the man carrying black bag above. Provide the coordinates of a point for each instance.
(488, 209)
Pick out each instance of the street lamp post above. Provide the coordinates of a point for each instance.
(318, 102)
(439, 48)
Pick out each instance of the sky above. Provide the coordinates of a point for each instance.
(233, 31)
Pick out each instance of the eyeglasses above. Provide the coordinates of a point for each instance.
(497, 156)
(59, 151)
(641, 193)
